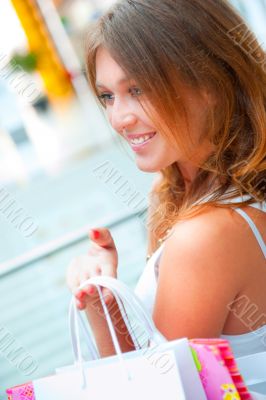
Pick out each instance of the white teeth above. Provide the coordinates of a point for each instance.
(141, 139)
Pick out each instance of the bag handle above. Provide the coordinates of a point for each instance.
(93, 351)
(74, 319)
(122, 294)
(127, 296)
(74, 316)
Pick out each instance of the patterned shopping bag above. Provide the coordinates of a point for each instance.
(218, 370)
(21, 392)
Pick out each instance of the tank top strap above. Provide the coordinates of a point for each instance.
(254, 228)
(258, 205)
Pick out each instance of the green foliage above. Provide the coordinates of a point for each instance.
(28, 62)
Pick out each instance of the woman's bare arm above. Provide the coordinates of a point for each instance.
(200, 274)
(97, 320)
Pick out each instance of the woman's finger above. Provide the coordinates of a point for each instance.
(107, 296)
(90, 290)
(102, 237)
(95, 270)
(80, 304)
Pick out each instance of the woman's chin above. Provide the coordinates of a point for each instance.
(155, 166)
(144, 167)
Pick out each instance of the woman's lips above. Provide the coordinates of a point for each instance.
(137, 146)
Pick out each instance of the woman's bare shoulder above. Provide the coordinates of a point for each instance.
(224, 228)
(207, 225)
(214, 235)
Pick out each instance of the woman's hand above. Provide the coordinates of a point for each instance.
(102, 259)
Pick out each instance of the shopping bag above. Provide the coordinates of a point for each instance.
(105, 381)
(218, 370)
(131, 375)
(219, 373)
(21, 392)
(111, 381)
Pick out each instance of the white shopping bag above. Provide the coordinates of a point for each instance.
(166, 370)
(111, 381)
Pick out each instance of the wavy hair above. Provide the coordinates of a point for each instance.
(205, 44)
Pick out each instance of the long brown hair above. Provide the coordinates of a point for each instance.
(205, 44)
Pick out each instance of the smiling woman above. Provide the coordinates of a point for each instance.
(194, 91)
(178, 82)
(125, 104)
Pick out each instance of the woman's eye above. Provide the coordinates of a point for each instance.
(136, 91)
(106, 98)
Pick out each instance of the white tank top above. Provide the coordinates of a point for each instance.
(244, 344)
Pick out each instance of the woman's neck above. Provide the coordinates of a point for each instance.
(188, 172)
(188, 169)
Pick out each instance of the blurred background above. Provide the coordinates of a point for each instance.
(62, 171)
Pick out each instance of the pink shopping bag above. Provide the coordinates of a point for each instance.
(218, 370)
(21, 392)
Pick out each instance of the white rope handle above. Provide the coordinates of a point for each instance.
(122, 295)
(127, 322)
(74, 318)
(74, 315)
(74, 321)
(113, 334)
(127, 296)
(79, 361)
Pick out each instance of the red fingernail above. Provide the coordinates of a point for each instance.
(80, 294)
(96, 234)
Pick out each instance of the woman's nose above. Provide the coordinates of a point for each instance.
(122, 117)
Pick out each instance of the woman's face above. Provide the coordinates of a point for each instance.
(128, 119)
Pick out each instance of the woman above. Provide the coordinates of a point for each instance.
(183, 81)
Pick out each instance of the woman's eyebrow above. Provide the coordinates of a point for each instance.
(120, 82)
